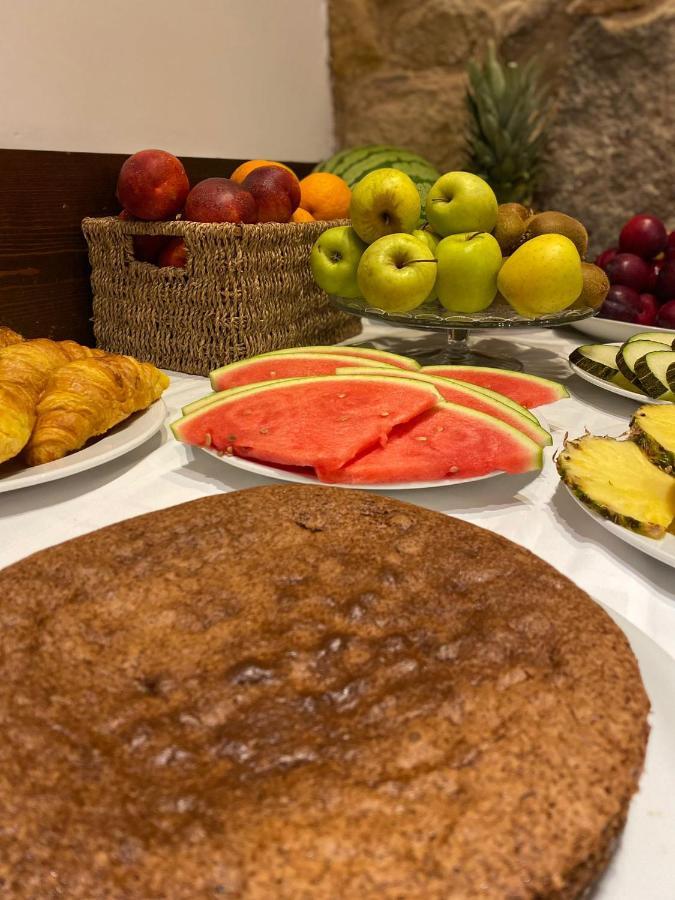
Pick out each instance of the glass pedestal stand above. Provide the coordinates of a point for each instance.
(456, 349)
(458, 352)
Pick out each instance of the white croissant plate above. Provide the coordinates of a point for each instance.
(120, 440)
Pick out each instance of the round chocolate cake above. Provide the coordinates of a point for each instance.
(298, 692)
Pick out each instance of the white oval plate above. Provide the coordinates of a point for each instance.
(663, 550)
(120, 440)
(642, 866)
(270, 471)
(614, 388)
(613, 330)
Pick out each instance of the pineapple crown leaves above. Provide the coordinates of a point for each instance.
(509, 113)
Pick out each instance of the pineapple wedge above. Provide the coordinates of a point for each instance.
(616, 479)
(653, 429)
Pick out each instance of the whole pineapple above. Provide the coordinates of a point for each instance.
(508, 117)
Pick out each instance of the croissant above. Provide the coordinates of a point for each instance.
(24, 370)
(88, 397)
(8, 337)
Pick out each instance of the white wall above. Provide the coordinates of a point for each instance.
(219, 78)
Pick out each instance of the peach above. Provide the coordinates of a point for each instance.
(220, 200)
(152, 185)
(276, 192)
(173, 254)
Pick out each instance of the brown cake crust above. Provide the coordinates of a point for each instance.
(297, 692)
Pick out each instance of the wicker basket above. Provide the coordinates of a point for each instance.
(246, 289)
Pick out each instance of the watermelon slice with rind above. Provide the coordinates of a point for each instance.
(273, 366)
(321, 422)
(528, 390)
(448, 441)
(372, 353)
(476, 398)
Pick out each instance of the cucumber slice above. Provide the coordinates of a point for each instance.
(596, 359)
(656, 372)
(660, 337)
(630, 352)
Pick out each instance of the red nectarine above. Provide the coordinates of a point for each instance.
(173, 254)
(147, 247)
(276, 192)
(220, 200)
(153, 185)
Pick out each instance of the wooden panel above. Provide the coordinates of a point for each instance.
(44, 270)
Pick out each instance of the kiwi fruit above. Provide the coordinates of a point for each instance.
(594, 291)
(510, 228)
(553, 222)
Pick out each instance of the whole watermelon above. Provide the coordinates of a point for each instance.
(353, 164)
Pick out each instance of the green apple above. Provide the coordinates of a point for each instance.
(397, 272)
(467, 271)
(431, 240)
(334, 260)
(384, 202)
(460, 202)
(542, 276)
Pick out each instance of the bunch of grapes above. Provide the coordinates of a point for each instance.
(641, 271)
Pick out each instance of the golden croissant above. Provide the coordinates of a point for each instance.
(8, 337)
(88, 397)
(24, 370)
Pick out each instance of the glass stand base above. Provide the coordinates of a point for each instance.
(455, 352)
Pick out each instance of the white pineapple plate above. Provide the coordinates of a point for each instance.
(663, 550)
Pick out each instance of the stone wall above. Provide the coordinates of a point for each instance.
(398, 77)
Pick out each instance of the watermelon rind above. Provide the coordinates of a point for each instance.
(232, 395)
(216, 374)
(360, 353)
(491, 395)
(536, 452)
(528, 424)
(214, 395)
(557, 391)
(354, 164)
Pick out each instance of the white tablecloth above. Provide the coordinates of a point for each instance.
(534, 511)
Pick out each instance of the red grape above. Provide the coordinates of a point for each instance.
(665, 283)
(643, 235)
(605, 257)
(622, 303)
(666, 317)
(630, 270)
(647, 315)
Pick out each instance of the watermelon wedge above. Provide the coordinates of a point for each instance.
(321, 422)
(448, 441)
(215, 395)
(475, 398)
(528, 390)
(272, 366)
(381, 356)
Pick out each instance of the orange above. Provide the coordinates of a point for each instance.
(301, 215)
(245, 168)
(325, 196)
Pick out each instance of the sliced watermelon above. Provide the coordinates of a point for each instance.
(218, 395)
(448, 441)
(272, 366)
(381, 356)
(320, 422)
(528, 390)
(475, 398)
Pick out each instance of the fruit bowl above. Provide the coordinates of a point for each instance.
(434, 317)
